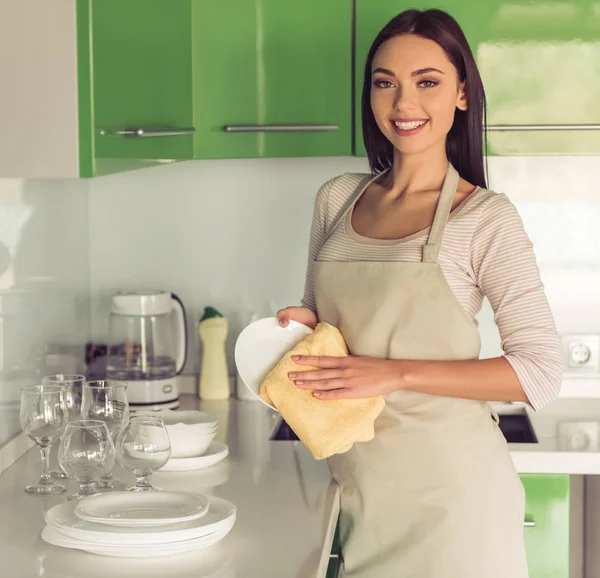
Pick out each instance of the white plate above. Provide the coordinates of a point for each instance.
(260, 347)
(142, 509)
(216, 452)
(62, 518)
(56, 538)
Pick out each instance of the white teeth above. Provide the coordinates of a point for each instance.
(409, 125)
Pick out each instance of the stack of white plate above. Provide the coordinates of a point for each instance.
(138, 525)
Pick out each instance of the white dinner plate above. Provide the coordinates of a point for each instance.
(142, 509)
(62, 518)
(216, 452)
(260, 347)
(53, 536)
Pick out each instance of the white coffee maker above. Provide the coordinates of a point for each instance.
(147, 346)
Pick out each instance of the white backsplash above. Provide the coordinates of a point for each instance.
(44, 285)
(233, 234)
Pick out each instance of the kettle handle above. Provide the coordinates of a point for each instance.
(181, 334)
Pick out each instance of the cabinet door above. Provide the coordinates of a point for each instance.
(272, 66)
(547, 525)
(539, 64)
(141, 78)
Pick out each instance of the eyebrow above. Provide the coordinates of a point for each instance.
(414, 73)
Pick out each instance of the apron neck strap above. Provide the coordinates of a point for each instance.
(431, 249)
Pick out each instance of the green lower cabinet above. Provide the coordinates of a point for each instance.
(547, 524)
(546, 527)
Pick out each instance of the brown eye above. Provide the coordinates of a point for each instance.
(382, 83)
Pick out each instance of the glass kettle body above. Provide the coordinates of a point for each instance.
(147, 344)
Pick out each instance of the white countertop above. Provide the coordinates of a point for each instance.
(287, 508)
(287, 505)
(549, 455)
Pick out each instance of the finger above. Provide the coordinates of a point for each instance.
(323, 385)
(324, 361)
(283, 318)
(299, 376)
(338, 393)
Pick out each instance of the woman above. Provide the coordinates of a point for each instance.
(400, 261)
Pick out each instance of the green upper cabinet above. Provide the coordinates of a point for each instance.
(272, 78)
(540, 64)
(141, 77)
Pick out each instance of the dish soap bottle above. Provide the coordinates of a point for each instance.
(214, 376)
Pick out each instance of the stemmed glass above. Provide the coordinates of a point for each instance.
(106, 400)
(86, 453)
(143, 446)
(43, 418)
(72, 385)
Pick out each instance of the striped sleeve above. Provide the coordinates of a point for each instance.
(317, 238)
(506, 270)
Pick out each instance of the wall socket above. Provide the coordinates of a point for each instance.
(581, 353)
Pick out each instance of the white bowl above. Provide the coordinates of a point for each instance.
(191, 432)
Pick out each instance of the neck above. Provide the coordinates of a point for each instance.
(419, 172)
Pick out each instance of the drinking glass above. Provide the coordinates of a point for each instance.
(86, 453)
(106, 400)
(43, 417)
(143, 446)
(72, 384)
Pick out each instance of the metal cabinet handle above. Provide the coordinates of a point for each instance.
(539, 127)
(529, 523)
(149, 132)
(280, 127)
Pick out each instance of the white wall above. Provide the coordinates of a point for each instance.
(44, 285)
(233, 234)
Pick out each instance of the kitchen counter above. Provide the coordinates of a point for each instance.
(287, 508)
(553, 454)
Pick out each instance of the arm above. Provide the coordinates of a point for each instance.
(504, 267)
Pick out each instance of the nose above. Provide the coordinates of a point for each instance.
(404, 99)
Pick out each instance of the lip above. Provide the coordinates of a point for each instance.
(408, 132)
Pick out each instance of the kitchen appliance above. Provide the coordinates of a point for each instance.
(147, 346)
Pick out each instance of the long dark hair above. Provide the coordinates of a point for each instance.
(465, 142)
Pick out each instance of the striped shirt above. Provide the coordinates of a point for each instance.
(485, 252)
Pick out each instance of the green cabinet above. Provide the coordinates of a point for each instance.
(538, 61)
(546, 527)
(272, 78)
(547, 524)
(141, 73)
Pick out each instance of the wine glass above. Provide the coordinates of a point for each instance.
(43, 418)
(73, 385)
(106, 400)
(143, 446)
(86, 453)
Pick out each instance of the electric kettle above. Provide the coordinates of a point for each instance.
(147, 346)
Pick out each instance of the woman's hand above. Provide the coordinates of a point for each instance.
(347, 377)
(300, 314)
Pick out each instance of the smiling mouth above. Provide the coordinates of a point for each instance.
(407, 128)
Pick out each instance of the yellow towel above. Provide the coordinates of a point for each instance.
(326, 427)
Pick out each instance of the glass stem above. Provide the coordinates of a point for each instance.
(86, 488)
(142, 482)
(45, 478)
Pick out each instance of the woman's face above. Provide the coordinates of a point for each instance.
(415, 91)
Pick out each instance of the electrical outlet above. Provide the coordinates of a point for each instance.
(581, 353)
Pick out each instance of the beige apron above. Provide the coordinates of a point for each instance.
(435, 494)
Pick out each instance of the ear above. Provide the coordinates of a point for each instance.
(461, 99)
